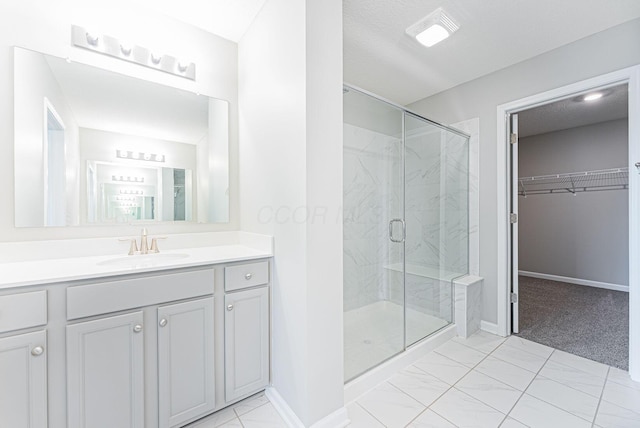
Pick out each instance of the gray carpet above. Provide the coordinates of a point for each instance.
(586, 321)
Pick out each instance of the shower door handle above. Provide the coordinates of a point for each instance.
(404, 230)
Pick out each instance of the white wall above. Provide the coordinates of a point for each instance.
(600, 53)
(290, 68)
(585, 236)
(45, 26)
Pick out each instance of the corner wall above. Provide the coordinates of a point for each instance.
(601, 53)
(290, 90)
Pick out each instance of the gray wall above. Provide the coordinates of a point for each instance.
(583, 236)
(592, 56)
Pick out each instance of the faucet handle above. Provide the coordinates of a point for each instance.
(133, 248)
(154, 244)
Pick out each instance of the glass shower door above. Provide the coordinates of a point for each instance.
(437, 224)
(373, 232)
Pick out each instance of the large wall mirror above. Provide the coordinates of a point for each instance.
(97, 147)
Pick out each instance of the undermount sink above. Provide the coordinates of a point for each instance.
(145, 260)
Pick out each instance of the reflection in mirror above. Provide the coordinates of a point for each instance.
(97, 147)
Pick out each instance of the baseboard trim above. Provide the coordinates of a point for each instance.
(337, 419)
(489, 327)
(587, 282)
(282, 407)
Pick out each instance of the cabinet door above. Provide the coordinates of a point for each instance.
(23, 381)
(185, 361)
(246, 342)
(105, 372)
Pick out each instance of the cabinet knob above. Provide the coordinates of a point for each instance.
(248, 276)
(229, 307)
(137, 328)
(163, 322)
(37, 351)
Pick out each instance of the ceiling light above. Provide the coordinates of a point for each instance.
(433, 28)
(593, 96)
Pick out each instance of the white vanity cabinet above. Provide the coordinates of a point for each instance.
(23, 381)
(186, 377)
(23, 360)
(246, 329)
(105, 372)
(151, 366)
(138, 349)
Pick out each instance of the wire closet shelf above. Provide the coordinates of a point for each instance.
(575, 182)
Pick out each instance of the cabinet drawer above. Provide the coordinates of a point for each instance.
(129, 293)
(23, 310)
(246, 275)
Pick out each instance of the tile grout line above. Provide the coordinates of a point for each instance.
(525, 390)
(370, 414)
(462, 392)
(551, 404)
(582, 372)
(595, 416)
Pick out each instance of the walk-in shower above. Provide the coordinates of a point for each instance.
(405, 228)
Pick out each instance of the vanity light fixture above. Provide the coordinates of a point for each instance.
(433, 28)
(125, 48)
(113, 47)
(150, 157)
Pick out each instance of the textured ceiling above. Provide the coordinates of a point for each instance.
(573, 112)
(493, 34)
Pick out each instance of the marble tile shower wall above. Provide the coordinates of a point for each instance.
(372, 195)
(436, 213)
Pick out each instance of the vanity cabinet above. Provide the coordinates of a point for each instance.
(156, 349)
(246, 329)
(162, 348)
(105, 372)
(23, 360)
(185, 361)
(246, 342)
(23, 380)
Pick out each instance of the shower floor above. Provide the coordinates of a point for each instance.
(374, 333)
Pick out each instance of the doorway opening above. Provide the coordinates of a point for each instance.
(508, 180)
(570, 243)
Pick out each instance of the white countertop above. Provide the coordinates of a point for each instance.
(47, 271)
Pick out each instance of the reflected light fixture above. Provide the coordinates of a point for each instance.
(593, 96)
(433, 28)
(150, 157)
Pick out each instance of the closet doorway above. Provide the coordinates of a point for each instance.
(570, 255)
(506, 181)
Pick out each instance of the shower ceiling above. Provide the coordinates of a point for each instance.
(493, 34)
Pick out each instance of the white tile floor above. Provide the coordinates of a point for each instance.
(483, 381)
(487, 381)
(253, 412)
